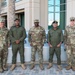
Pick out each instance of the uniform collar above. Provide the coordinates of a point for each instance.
(37, 26)
(56, 28)
(2, 28)
(72, 26)
(18, 26)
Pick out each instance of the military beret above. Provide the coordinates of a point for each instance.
(2, 20)
(72, 18)
(54, 22)
(36, 20)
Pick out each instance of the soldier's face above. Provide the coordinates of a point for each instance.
(72, 22)
(55, 25)
(36, 24)
(17, 22)
(1, 24)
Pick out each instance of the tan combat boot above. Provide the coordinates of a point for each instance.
(32, 66)
(50, 65)
(1, 70)
(73, 68)
(23, 66)
(13, 67)
(5, 67)
(59, 67)
(68, 67)
(41, 66)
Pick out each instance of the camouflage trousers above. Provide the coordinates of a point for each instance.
(40, 53)
(70, 55)
(3, 57)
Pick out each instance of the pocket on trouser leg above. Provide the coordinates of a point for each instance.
(40, 53)
(69, 57)
(73, 59)
(33, 51)
(68, 53)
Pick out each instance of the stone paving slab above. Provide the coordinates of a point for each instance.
(36, 71)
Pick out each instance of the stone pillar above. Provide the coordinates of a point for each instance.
(36, 13)
(0, 8)
(36, 9)
(28, 14)
(32, 11)
(11, 13)
(70, 10)
(44, 13)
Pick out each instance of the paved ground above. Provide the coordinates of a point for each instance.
(36, 71)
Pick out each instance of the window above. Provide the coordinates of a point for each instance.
(4, 3)
(56, 11)
(17, 0)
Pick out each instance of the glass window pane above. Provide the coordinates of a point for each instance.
(57, 9)
(17, 0)
(57, 2)
(57, 17)
(50, 18)
(51, 9)
(51, 2)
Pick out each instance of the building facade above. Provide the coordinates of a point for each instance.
(44, 10)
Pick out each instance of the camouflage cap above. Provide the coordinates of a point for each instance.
(72, 18)
(2, 20)
(36, 20)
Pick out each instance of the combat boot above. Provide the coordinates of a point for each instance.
(23, 66)
(59, 67)
(1, 70)
(32, 66)
(50, 65)
(68, 67)
(5, 69)
(13, 67)
(41, 66)
(73, 68)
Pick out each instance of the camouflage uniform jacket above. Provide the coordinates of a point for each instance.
(37, 35)
(4, 39)
(69, 35)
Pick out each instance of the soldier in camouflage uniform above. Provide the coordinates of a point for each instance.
(37, 38)
(69, 37)
(55, 38)
(4, 41)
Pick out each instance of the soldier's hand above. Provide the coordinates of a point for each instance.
(65, 45)
(51, 46)
(42, 44)
(58, 45)
(31, 44)
(8, 45)
(17, 41)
